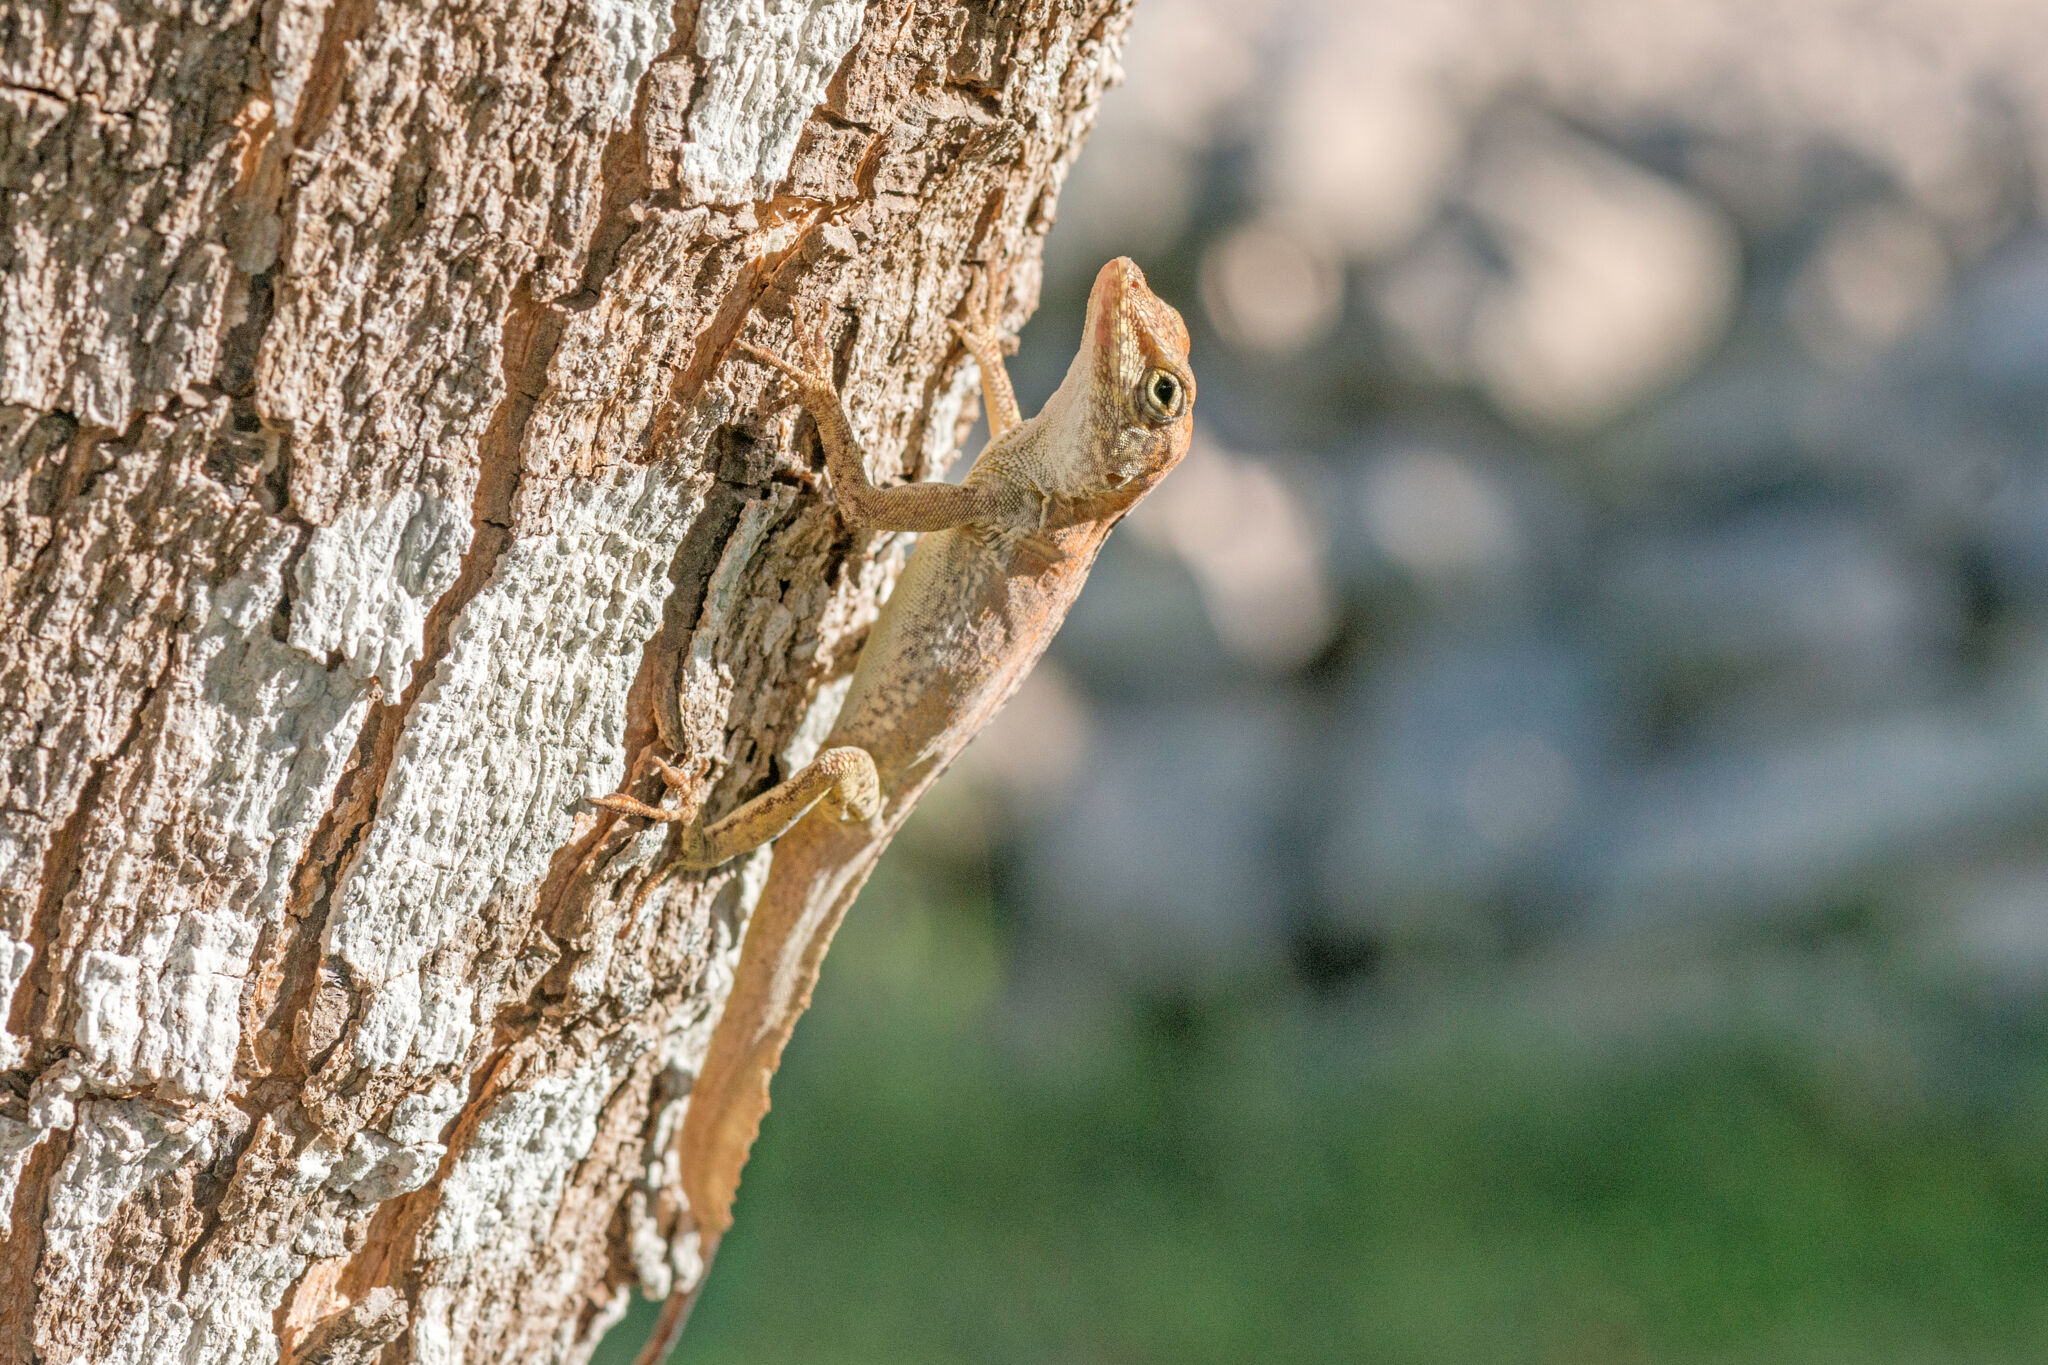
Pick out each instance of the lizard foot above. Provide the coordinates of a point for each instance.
(677, 779)
(982, 331)
(982, 335)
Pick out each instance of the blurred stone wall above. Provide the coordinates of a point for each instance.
(1619, 505)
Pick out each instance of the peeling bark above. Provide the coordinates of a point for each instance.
(373, 488)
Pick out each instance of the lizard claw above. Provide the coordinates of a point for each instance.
(676, 778)
(696, 772)
(978, 337)
(768, 358)
(626, 805)
(802, 376)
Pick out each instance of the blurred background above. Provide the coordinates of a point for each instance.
(1534, 845)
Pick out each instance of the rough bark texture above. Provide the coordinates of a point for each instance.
(374, 482)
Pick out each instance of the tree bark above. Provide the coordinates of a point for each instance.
(376, 481)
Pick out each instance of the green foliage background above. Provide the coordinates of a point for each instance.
(1279, 1179)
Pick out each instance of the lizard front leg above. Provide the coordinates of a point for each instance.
(995, 506)
(842, 780)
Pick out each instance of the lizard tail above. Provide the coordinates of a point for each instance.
(675, 1315)
(818, 870)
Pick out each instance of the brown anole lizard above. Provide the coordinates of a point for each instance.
(1003, 557)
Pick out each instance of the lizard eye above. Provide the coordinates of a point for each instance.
(1160, 396)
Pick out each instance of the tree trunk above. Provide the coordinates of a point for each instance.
(376, 480)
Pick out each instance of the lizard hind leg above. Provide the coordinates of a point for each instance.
(842, 780)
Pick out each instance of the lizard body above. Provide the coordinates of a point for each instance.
(1003, 557)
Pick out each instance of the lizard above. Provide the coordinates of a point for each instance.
(1001, 558)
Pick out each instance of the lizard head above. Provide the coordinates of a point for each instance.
(1129, 396)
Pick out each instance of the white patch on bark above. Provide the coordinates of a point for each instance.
(660, 1170)
(662, 1263)
(433, 1327)
(420, 1118)
(268, 731)
(366, 582)
(502, 1195)
(18, 1142)
(120, 1146)
(224, 1317)
(666, 1264)
(636, 31)
(291, 39)
(260, 731)
(447, 1010)
(227, 1312)
(14, 959)
(504, 1190)
(50, 1107)
(522, 721)
(109, 990)
(421, 1017)
(374, 1168)
(277, 728)
(767, 63)
(384, 1037)
(260, 734)
(195, 1023)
